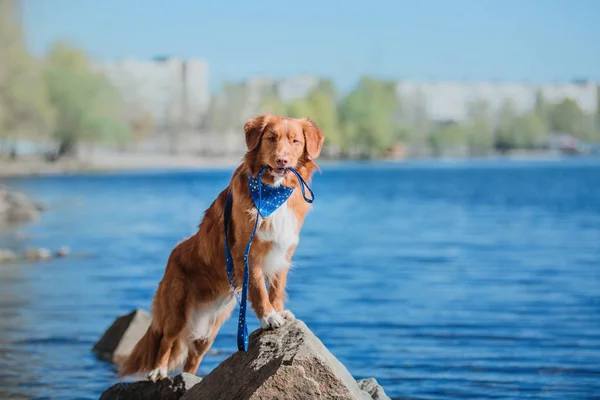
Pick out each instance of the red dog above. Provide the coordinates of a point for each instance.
(194, 297)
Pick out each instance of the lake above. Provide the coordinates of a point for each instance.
(475, 279)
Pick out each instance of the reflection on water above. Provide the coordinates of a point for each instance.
(442, 281)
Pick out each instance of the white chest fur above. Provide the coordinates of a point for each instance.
(281, 230)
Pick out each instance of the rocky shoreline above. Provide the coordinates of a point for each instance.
(286, 363)
(32, 254)
(17, 208)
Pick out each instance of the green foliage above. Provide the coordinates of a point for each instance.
(566, 116)
(299, 109)
(272, 105)
(542, 108)
(448, 136)
(530, 131)
(523, 132)
(89, 107)
(25, 110)
(368, 116)
(322, 104)
(480, 135)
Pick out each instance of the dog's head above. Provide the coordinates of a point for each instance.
(280, 143)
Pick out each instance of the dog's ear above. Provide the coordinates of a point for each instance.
(254, 129)
(314, 138)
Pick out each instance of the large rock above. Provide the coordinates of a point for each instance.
(171, 388)
(7, 255)
(17, 207)
(285, 363)
(118, 341)
(374, 389)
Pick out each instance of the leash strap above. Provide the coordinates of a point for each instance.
(242, 333)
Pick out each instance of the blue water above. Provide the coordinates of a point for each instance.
(456, 280)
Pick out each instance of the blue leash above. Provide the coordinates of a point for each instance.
(242, 334)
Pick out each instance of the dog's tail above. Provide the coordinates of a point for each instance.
(144, 354)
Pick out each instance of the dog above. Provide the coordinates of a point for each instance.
(194, 297)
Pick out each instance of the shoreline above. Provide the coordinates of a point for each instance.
(36, 167)
(28, 168)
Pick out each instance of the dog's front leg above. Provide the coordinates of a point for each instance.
(277, 286)
(277, 289)
(277, 294)
(259, 297)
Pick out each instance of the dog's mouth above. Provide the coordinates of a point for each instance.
(279, 172)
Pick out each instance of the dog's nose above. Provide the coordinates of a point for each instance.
(282, 162)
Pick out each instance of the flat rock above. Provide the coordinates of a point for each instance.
(17, 207)
(34, 253)
(374, 389)
(7, 255)
(171, 388)
(119, 339)
(286, 363)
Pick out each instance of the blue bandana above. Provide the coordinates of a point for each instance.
(268, 198)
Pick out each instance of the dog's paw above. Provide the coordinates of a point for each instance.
(287, 315)
(157, 374)
(272, 321)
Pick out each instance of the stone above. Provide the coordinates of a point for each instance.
(285, 363)
(7, 255)
(33, 253)
(17, 207)
(374, 389)
(118, 341)
(63, 251)
(170, 388)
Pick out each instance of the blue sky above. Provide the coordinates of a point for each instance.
(508, 40)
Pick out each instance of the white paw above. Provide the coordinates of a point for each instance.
(272, 321)
(157, 374)
(287, 315)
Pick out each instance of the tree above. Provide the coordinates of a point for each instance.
(25, 109)
(567, 117)
(449, 136)
(89, 107)
(542, 107)
(415, 127)
(299, 109)
(530, 131)
(506, 136)
(273, 105)
(516, 131)
(368, 116)
(480, 133)
(322, 104)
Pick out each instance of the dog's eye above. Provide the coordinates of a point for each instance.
(271, 138)
(295, 141)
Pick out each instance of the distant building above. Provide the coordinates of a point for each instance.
(451, 101)
(295, 88)
(256, 89)
(173, 92)
(197, 91)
